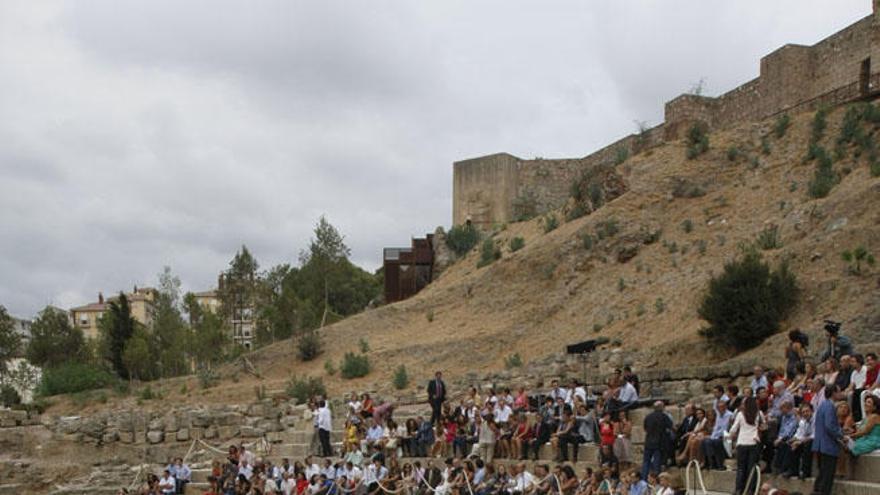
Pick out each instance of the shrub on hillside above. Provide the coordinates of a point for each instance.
(746, 303)
(549, 222)
(302, 389)
(462, 238)
(781, 125)
(516, 244)
(513, 361)
(354, 365)
(73, 377)
(309, 345)
(697, 140)
(820, 122)
(824, 178)
(769, 238)
(856, 257)
(489, 252)
(400, 380)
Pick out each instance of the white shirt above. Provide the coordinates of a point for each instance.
(288, 486)
(502, 414)
(246, 470)
(312, 470)
(522, 482)
(325, 420)
(628, 393)
(166, 482)
(747, 434)
(858, 377)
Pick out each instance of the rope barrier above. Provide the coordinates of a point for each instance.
(687, 478)
(757, 469)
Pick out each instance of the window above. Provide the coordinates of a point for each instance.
(84, 320)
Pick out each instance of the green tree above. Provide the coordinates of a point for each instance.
(116, 327)
(169, 331)
(325, 256)
(54, 340)
(211, 339)
(239, 286)
(746, 303)
(10, 342)
(139, 356)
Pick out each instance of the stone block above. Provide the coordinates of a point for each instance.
(126, 437)
(210, 432)
(155, 436)
(183, 434)
(110, 437)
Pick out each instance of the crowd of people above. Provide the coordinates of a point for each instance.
(780, 422)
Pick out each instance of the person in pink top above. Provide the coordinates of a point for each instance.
(521, 401)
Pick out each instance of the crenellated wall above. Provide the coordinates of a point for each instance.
(838, 69)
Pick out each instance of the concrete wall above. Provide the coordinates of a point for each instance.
(793, 78)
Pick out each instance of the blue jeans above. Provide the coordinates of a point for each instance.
(651, 461)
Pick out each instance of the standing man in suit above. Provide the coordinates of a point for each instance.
(436, 396)
(827, 438)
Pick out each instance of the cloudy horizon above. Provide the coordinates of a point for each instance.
(143, 134)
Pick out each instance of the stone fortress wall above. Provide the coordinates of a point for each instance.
(499, 188)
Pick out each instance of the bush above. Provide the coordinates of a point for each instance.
(621, 155)
(462, 238)
(400, 380)
(765, 145)
(769, 238)
(9, 396)
(73, 377)
(147, 393)
(856, 257)
(621, 284)
(820, 122)
(733, 153)
(513, 361)
(363, 345)
(824, 177)
(516, 244)
(429, 315)
(550, 222)
(746, 303)
(781, 125)
(329, 368)
(687, 226)
(607, 228)
(686, 189)
(207, 377)
(302, 389)
(697, 140)
(309, 346)
(659, 305)
(576, 211)
(354, 365)
(588, 241)
(489, 252)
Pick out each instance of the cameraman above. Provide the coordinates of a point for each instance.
(838, 345)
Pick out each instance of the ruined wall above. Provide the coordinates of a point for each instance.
(483, 189)
(794, 78)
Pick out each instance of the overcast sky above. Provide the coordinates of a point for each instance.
(135, 135)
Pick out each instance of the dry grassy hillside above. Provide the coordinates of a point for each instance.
(555, 292)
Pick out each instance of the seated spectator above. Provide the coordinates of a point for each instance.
(718, 396)
(800, 461)
(630, 377)
(866, 438)
(795, 352)
(521, 401)
(735, 398)
(625, 398)
(374, 437)
(858, 377)
(847, 426)
(713, 446)
(758, 378)
(788, 424)
(586, 424)
(167, 484)
(520, 437)
(837, 345)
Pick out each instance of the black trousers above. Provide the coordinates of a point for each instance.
(436, 411)
(565, 440)
(747, 457)
(802, 460)
(825, 479)
(324, 437)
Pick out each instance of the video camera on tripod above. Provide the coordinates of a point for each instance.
(832, 327)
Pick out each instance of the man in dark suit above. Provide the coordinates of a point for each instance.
(436, 396)
(827, 438)
(657, 427)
